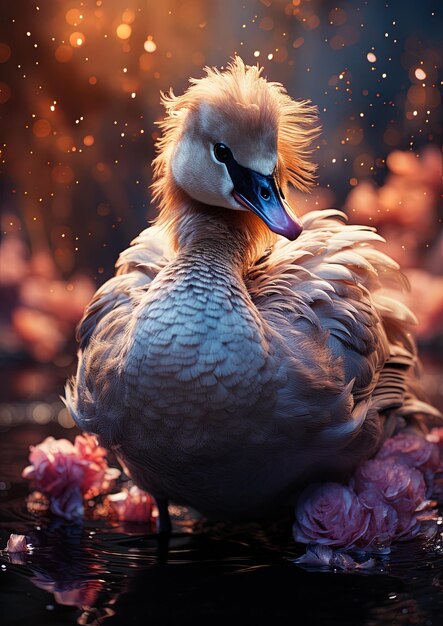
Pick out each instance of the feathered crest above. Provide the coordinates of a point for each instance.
(255, 105)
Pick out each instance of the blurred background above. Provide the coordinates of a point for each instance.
(79, 97)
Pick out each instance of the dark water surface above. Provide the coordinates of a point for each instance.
(208, 574)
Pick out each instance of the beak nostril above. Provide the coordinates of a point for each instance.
(265, 193)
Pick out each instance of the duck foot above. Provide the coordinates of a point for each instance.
(164, 526)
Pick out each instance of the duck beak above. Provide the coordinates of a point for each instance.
(261, 195)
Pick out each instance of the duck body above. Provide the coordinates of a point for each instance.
(227, 368)
(213, 401)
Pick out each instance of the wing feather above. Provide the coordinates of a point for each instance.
(103, 336)
(334, 277)
(136, 268)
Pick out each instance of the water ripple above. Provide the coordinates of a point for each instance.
(103, 572)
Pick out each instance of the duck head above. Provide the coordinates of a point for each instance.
(234, 140)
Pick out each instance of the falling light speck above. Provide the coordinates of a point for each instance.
(257, 53)
(133, 94)
(371, 57)
(270, 56)
(420, 73)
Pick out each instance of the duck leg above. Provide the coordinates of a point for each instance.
(164, 525)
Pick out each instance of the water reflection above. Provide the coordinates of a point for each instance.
(218, 573)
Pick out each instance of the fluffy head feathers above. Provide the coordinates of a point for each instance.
(254, 109)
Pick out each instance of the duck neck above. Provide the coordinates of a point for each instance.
(210, 236)
(234, 237)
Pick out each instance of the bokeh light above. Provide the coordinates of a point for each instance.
(77, 39)
(123, 31)
(5, 52)
(150, 45)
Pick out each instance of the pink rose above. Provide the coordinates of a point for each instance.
(69, 504)
(68, 473)
(412, 450)
(57, 471)
(55, 465)
(90, 450)
(383, 521)
(98, 476)
(330, 514)
(17, 543)
(402, 487)
(132, 505)
(393, 480)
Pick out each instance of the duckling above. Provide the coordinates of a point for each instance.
(241, 352)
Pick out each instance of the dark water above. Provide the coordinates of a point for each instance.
(209, 573)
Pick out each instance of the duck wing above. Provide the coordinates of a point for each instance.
(102, 333)
(332, 282)
(136, 267)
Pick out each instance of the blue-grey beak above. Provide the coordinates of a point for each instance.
(261, 195)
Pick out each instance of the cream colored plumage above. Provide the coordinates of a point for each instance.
(226, 365)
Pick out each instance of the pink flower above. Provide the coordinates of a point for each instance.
(412, 450)
(57, 470)
(400, 486)
(68, 473)
(393, 480)
(69, 504)
(54, 464)
(17, 543)
(98, 476)
(132, 505)
(330, 514)
(90, 450)
(383, 521)
(386, 500)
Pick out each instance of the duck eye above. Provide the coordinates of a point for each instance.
(221, 152)
(265, 193)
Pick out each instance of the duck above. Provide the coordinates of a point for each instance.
(241, 352)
